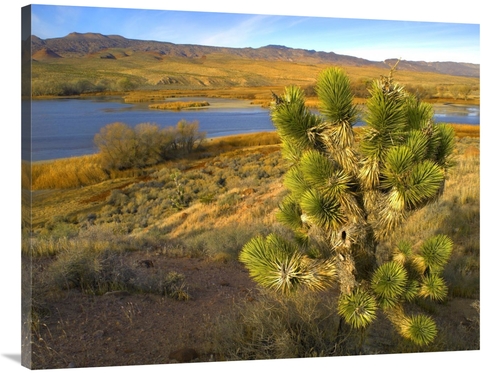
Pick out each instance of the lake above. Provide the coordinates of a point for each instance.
(66, 127)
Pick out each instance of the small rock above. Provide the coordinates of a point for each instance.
(146, 263)
(183, 355)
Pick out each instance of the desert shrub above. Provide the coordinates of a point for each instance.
(262, 174)
(59, 227)
(167, 283)
(116, 143)
(81, 265)
(127, 84)
(207, 198)
(63, 230)
(117, 198)
(76, 87)
(177, 248)
(124, 147)
(247, 140)
(90, 271)
(360, 88)
(273, 327)
(422, 92)
(227, 203)
(151, 145)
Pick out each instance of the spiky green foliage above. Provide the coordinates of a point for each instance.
(385, 121)
(316, 168)
(389, 283)
(436, 252)
(274, 262)
(336, 97)
(294, 121)
(295, 182)
(420, 329)
(290, 214)
(358, 309)
(419, 115)
(410, 183)
(444, 137)
(403, 153)
(412, 290)
(278, 264)
(433, 287)
(402, 253)
(322, 210)
(343, 198)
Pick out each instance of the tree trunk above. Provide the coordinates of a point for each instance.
(354, 247)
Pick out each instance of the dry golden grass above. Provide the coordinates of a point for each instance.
(77, 186)
(463, 131)
(67, 173)
(70, 202)
(244, 140)
(238, 207)
(179, 105)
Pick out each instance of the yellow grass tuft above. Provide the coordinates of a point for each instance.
(463, 131)
(67, 173)
(245, 140)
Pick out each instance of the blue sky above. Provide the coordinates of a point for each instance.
(375, 40)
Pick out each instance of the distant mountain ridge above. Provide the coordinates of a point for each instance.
(83, 44)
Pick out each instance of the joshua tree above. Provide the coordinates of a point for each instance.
(346, 196)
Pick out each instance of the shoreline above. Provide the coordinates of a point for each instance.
(210, 139)
(258, 96)
(213, 139)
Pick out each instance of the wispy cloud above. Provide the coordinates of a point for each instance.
(371, 39)
(241, 33)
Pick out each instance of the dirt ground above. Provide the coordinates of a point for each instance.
(138, 329)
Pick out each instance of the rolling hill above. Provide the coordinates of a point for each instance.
(81, 45)
(91, 62)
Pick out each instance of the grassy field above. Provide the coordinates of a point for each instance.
(217, 75)
(66, 191)
(58, 184)
(90, 230)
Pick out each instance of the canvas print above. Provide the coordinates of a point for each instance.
(211, 187)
